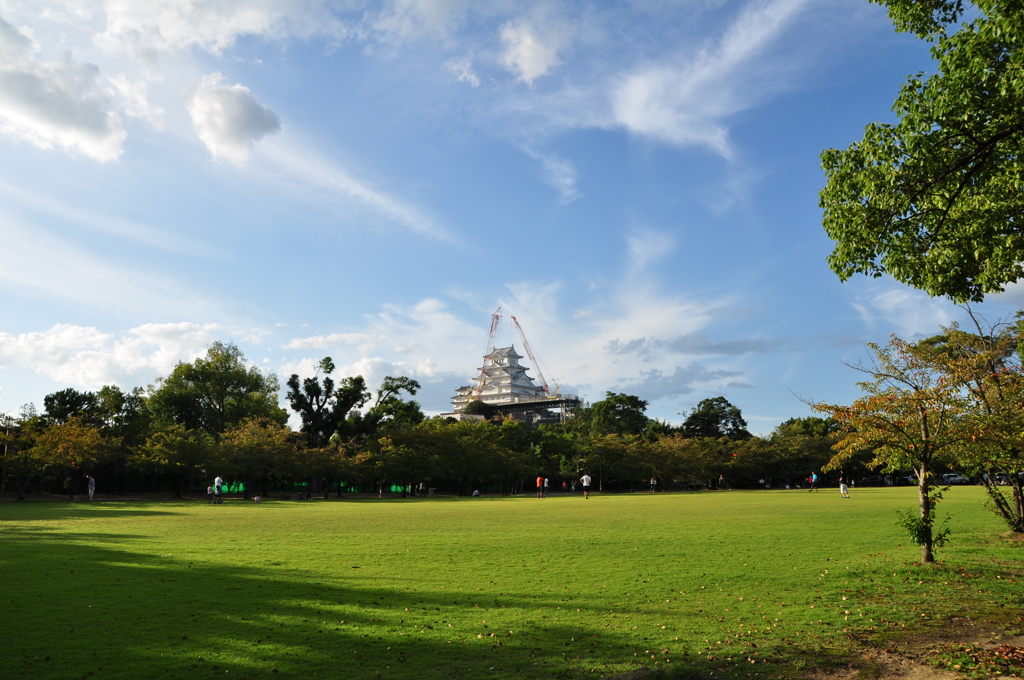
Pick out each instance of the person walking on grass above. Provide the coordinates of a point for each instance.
(565, 487)
(721, 482)
(546, 482)
(585, 481)
(813, 480)
(540, 487)
(217, 485)
(844, 489)
(654, 483)
(92, 486)
(209, 494)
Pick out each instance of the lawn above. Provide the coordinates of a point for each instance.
(734, 584)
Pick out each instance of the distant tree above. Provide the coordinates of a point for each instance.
(800, 446)
(715, 418)
(216, 392)
(324, 406)
(389, 409)
(934, 200)
(256, 451)
(618, 414)
(69, 403)
(186, 454)
(479, 408)
(69, 450)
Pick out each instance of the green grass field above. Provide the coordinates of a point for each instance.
(731, 584)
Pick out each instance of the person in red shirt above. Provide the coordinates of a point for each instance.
(540, 487)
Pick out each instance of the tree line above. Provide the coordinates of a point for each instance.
(219, 415)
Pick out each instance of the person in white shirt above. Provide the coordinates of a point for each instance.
(92, 486)
(585, 480)
(217, 484)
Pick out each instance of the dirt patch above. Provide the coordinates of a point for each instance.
(908, 658)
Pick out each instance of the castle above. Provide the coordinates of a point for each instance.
(504, 381)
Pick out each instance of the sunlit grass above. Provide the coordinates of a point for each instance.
(733, 583)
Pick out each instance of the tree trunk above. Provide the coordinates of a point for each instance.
(1014, 520)
(926, 516)
(1018, 501)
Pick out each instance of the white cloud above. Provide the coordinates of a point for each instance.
(462, 69)
(136, 100)
(909, 311)
(55, 104)
(526, 55)
(409, 19)
(85, 357)
(176, 25)
(229, 119)
(685, 102)
(364, 341)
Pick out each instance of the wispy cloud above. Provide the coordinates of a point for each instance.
(101, 223)
(297, 158)
(701, 344)
(909, 312)
(40, 261)
(686, 101)
(655, 384)
(559, 173)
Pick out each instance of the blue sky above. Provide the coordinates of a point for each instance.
(636, 182)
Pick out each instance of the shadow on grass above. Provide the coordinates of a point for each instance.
(51, 511)
(73, 610)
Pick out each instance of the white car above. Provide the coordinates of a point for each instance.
(953, 478)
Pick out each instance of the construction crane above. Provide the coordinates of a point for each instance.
(529, 352)
(495, 318)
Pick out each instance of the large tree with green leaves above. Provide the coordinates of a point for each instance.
(618, 414)
(715, 418)
(935, 200)
(216, 392)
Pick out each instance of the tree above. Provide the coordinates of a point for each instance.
(619, 414)
(324, 407)
(803, 445)
(715, 418)
(68, 450)
(256, 451)
(987, 365)
(910, 418)
(216, 392)
(184, 453)
(66, 404)
(935, 200)
(389, 409)
(478, 407)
